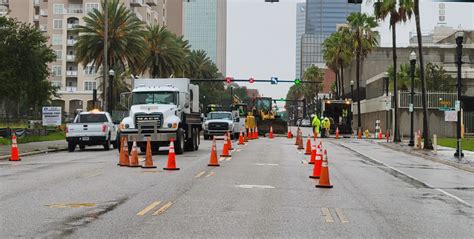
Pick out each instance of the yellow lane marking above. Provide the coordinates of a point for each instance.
(341, 215)
(162, 209)
(327, 215)
(210, 174)
(71, 205)
(149, 208)
(200, 174)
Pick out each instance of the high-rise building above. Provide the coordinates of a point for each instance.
(57, 20)
(205, 28)
(300, 27)
(322, 18)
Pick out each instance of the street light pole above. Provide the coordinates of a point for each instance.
(105, 63)
(352, 90)
(351, 117)
(459, 40)
(412, 116)
(111, 90)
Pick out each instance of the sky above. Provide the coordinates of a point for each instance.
(261, 40)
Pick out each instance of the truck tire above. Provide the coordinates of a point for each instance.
(71, 147)
(117, 142)
(196, 140)
(107, 144)
(189, 145)
(207, 137)
(82, 146)
(179, 142)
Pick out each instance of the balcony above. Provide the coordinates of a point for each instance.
(43, 13)
(74, 10)
(36, 3)
(71, 42)
(72, 73)
(72, 26)
(36, 18)
(151, 2)
(136, 3)
(4, 2)
(71, 89)
(70, 58)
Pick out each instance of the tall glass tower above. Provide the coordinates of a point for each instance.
(322, 18)
(205, 28)
(300, 26)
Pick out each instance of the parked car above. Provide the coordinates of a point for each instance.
(91, 128)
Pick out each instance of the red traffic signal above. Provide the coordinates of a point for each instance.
(228, 80)
(251, 80)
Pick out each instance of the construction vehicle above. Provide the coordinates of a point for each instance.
(339, 113)
(266, 116)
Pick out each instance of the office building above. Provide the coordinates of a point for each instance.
(322, 18)
(300, 27)
(57, 20)
(205, 28)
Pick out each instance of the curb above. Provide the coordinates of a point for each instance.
(45, 151)
(429, 157)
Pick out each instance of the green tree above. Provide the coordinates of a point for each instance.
(397, 11)
(166, 53)
(363, 40)
(312, 74)
(24, 55)
(126, 47)
(438, 80)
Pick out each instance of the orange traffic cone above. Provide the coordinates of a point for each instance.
(171, 157)
(337, 132)
(124, 158)
(14, 154)
(225, 149)
(317, 163)
(289, 135)
(256, 132)
(271, 133)
(229, 142)
(380, 135)
(359, 134)
(308, 146)
(312, 159)
(297, 139)
(134, 157)
(300, 143)
(324, 178)
(149, 156)
(241, 139)
(213, 160)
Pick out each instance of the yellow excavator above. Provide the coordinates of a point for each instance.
(266, 116)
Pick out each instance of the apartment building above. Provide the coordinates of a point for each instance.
(58, 18)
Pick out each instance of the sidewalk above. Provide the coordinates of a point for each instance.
(444, 154)
(34, 148)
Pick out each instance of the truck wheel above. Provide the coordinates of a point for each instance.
(143, 149)
(71, 147)
(189, 145)
(179, 142)
(206, 137)
(117, 142)
(107, 144)
(82, 147)
(236, 135)
(196, 140)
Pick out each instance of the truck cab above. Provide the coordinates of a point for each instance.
(163, 110)
(219, 123)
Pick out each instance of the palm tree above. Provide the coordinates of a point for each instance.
(337, 54)
(125, 39)
(310, 90)
(383, 9)
(165, 54)
(426, 139)
(363, 40)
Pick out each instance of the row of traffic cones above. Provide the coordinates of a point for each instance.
(317, 158)
(132, 161)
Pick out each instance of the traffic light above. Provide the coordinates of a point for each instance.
(355, 1)
(297, 81)
(282, 99)
(251, 80)
(228, 80)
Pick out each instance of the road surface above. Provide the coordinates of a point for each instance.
(263, 190)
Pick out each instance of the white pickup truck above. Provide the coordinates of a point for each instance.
(91, 128)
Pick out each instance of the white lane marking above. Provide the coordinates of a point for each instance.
(200, 174)
(210, 174)
(238, 150)
(341, 215)
(228, 159)
(327, 215)
(267, 164)
(416, 179)
(255, 186)
(221, 159)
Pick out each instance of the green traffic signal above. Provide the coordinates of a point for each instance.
(297, 81)
(282, 99)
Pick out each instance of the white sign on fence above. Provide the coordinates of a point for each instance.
(451, 116)
(51, 116)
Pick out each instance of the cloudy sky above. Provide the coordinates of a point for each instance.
(261, 37)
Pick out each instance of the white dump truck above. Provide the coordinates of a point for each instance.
(163, 109)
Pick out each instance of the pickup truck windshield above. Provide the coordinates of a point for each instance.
(226, 116)
(91, 118)
(162, 97)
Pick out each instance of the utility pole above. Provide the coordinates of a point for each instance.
(105, 68)
(459, 40)
(412, 107)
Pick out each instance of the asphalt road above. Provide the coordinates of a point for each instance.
(262, 191)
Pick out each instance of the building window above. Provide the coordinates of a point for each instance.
(89, 85)
(59, 54)
(56, 70)
(57, 39)
(91, 6)
(58, 8)
(89, 70)
(58, 24)
(56, 84)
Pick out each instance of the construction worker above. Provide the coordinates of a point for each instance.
(326, 124)
(250, 122)
(316, 123)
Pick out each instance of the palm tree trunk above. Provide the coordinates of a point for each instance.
(337, 85)
(342, 81)
(427, 141)
(359, 120)
(396, 133)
